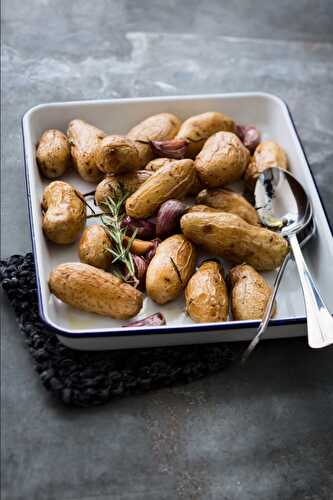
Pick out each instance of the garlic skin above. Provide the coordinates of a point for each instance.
(175, 148)
(145, 228)
(249, 135)
(156, 319)
(151, 253)
(168, 217)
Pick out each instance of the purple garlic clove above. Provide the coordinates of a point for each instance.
(140, 270)
(249, 135)
(156, 319)
(146, 230)
(168, 217)
(151, 253)
(174, 148)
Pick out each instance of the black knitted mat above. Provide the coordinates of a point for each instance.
(79, 378)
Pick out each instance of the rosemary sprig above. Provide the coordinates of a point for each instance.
(112, 222)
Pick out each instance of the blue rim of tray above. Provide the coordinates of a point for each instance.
(129, 332)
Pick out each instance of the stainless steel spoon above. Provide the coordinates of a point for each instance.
(283, 205)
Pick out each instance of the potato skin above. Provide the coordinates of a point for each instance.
(90, 289)
(117, 154)
(222, 160)
(53, 154)
(229, 236)
(84, 141)
(162, 281)
(250, 293)
(160, 127)
(206, 294)
(93, 247)
(229, 201)
(171, 181)
(64, 212)
(156, 164)
(199, 127)
(128, 183)
(267, 154)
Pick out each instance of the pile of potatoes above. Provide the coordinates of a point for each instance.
(164, 165)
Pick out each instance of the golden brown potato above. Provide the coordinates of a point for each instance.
(156, 164)
(171, 181)
(94, 290)
(161, 127)
(229, 201)
(206, 294)
(267, 154)
(170, 269)
(94, 247)
(202, 208)
(84, 140)
(198, 128)
(222, 160)
(250, 293)
(64, 212)
(117, 154)
(53, 154)
(229, 236)
(128, 183)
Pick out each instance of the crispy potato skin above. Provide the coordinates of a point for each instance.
(222, 160)
(156, 164)
(267, 154)
(84, 141)
(171, 181)
(161, 127)
(206, 294)
(250, 293)
(94, 245)
(229, 236)
(117, 154)
(229, 201)
(202, 208)
(162, 281)
(128, 182)
(90, 289)
(199, 127)
(64, 213)
(53, 154)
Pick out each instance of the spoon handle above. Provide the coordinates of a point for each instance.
(320, 322)
(268, 311)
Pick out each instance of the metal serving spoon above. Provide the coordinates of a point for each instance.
(283, 205)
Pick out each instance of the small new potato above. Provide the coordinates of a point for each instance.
(250, 293)
(53, 154)
(161, 127)
(170, 269)
(156, 164)
(93, 290)
(84, 141)
(222, 160)
(64, 213)
(267, 154)
(229, 201)
(230, 237)
(128, 183)
(206, 294)
(197, 129)
(171, 181)
(94, 247)
(117, 154)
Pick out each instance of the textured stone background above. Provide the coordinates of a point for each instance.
(264, 432)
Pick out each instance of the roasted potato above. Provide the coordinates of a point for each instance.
(156, 164)
(117, 154)
(84, 140)
(202, 208)
(250, 293)
(222, 160)
(229, 236)
(206, 294)
(267, 154)
(161, 127)
(128, 183)
(94, 247)
(53, 154)
(229, 201)
(90, 289)
(171, 181)
(64, 212)
(170, 269)
(198, 128)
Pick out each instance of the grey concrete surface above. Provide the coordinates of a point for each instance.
(264, 432)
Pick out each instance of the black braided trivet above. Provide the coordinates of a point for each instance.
(91, 378)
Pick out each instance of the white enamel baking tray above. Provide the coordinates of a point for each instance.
(81, 330)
